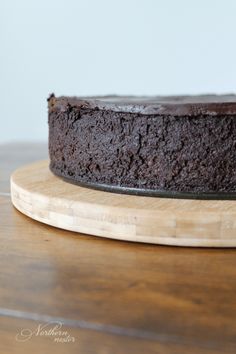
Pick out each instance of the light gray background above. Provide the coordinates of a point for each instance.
(94, 47)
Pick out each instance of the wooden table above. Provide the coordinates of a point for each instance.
(109, 296)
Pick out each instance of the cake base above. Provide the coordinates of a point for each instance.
(37, 193)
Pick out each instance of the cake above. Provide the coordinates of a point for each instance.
(175, 146)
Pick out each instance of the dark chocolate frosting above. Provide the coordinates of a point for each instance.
(212, 105)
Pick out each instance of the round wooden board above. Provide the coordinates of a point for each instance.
(36, 192)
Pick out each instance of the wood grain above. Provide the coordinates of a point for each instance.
(116, 297)
(39, 194)
(86, 341)
(172, 295)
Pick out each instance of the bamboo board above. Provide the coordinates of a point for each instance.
(37, 193)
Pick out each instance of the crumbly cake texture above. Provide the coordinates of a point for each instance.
(177, 144)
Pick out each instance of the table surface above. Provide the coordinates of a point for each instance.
(108, 296)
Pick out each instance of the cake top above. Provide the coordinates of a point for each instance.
(159, 105)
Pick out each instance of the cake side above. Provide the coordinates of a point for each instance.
(148, 151)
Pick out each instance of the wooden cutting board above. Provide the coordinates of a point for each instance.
(36, 192)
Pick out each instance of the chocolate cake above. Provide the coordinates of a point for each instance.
(176, 146)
